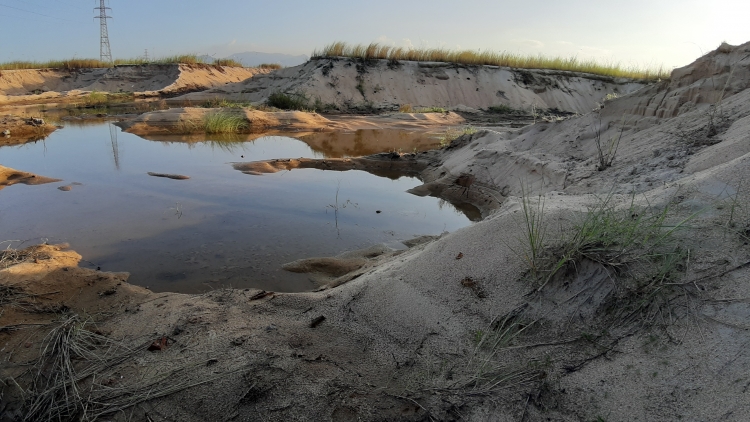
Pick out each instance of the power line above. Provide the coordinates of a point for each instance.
(40, 14)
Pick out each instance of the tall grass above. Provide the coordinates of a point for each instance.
(476, 57)
(228, 63)
(224, 122)
(72, 64)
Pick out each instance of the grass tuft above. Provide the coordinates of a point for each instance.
(227, 63)
(482, 58)
(224, 122)
(452, 134)
(297, 100)
(272, 66)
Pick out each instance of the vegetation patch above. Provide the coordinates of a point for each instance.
(481, 58)
(271, 66)
(227, 63)
(224, 122)
(452, 134)
(503, 109)
(407, 108)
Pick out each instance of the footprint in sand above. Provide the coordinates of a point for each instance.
(69, 187)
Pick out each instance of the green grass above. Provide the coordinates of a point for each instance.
(224, 122)
(294, 101)
(227, 63)
(224, 103)
(221, 121)
(503, 109)
(72, 64)
(481, 58)
(407, 108)
(452, 134)
(635, 243)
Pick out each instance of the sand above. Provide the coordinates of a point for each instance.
(9, 176)
(402, 340)
(51, 85)
(187, 120)
(383, 85)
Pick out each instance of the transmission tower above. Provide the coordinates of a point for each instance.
(105, 53)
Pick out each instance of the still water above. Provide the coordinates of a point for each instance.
(221, 227)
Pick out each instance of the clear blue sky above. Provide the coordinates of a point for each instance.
(635, 32)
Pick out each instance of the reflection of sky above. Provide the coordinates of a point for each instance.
(125, 220)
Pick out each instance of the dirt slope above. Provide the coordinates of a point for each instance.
(382, 84)
(37, 85)
(455, 329)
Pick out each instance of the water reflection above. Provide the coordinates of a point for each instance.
(220, 227)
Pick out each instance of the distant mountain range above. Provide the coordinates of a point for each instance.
(254, 58)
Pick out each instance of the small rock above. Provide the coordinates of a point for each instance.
(6, 132)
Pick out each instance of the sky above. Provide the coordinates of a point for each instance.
(641, 33)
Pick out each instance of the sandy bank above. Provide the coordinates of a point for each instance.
(188, 120)
(9, 176)
(52, 85)
(16, 130)
(380, 84)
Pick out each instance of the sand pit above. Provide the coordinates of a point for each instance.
(460, 328)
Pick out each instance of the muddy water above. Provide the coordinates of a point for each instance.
(220, 227)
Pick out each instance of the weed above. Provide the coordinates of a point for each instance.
(407, 108)
(272, 66)
(224, 122)
(534, 233)
(224, 103)
(503, 109)
(74, 64)
(470, 57)
(96, 98)
(452, 134)
(227, 63)
(607, 152)
(290, 101)
(635, 243)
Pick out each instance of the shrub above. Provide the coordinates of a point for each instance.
(292, 101)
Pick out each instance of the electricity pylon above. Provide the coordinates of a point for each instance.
(105, 53)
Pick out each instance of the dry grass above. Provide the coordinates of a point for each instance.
(227, 63)
(481, 58)
(272, 66)
(77, 376)
(73, 64)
